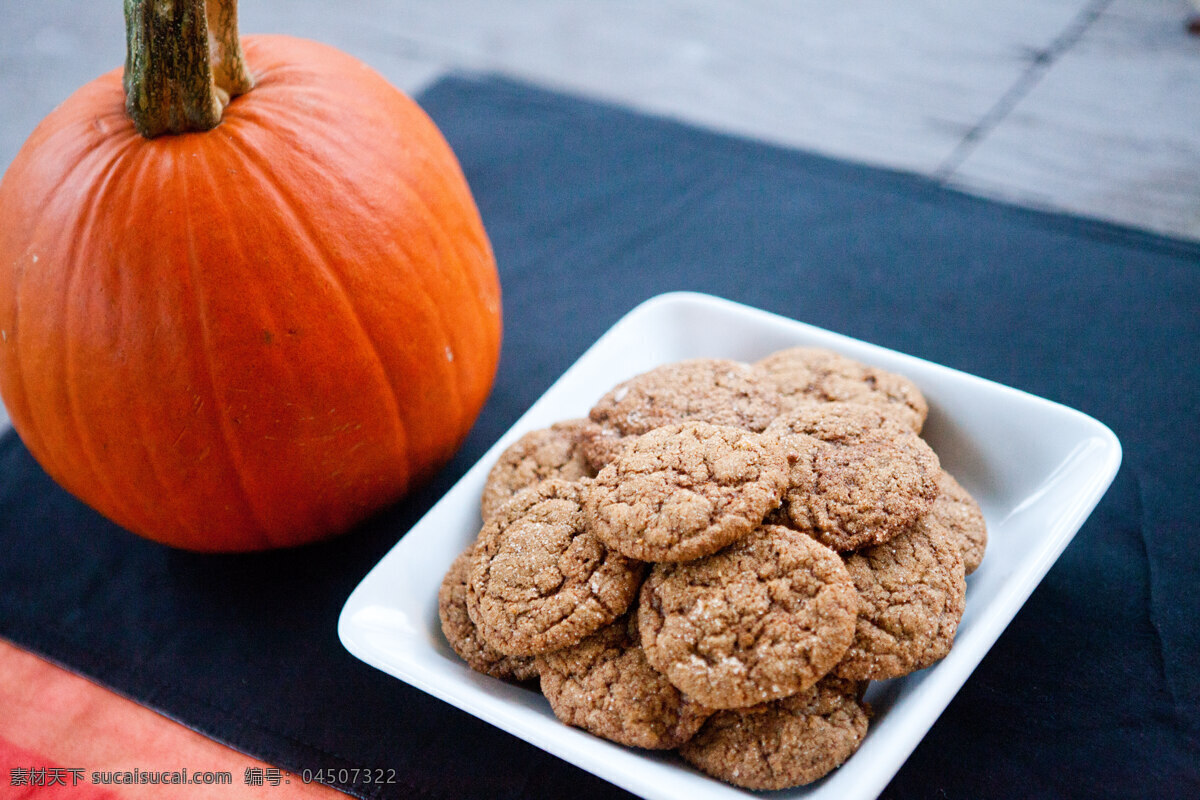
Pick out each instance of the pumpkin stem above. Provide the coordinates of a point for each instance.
(183, 64)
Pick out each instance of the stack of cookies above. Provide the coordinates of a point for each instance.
(719, 559)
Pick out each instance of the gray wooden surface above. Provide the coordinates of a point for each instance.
(1086, 106)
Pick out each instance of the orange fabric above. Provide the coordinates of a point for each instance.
(54, 720)
(19, 781)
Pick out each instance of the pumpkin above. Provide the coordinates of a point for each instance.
(253, 308)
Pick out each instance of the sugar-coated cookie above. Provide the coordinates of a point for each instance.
(539, 579)
(718, 391)
(552, 452)
(789, 742)
(686, 490)
(813, 373)
(960, 513)
(912, 593)
(605, 685)
(461, 634)
(762, 619)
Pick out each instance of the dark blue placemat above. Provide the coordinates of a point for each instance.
(1092, 692)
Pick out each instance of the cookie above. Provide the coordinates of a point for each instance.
(765, 618)
(839, 423)
(857, 479)
(539, 579)
(811, 373)
(717, 391)
(605, 686)
(957, 510)
(684, 491)
(460, 631)
(789, 742)
(912, 592)
(552, 452)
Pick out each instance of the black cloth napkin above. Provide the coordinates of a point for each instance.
(1093, 691)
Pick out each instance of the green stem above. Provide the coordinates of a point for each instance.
(183, 64)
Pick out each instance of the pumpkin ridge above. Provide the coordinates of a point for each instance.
(448, 257)
(233, 455)
(469, 276)
(460, 196)
(29, 413)
(477, 289)
(20, 387)
(469, 287)
(251, 157)
(272, 101)
(141, 165)
(15, 360)
(232, 451)
(472, 286)
(445, 328)
(82, 232)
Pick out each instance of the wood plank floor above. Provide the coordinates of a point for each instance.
(1111, 129)
(1090, 106)
(1086, 106)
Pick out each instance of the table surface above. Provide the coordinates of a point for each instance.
(1085, 106)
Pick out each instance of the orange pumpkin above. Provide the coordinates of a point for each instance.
(250, 336)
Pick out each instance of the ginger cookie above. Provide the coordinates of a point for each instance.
(552, 452)
(812, 373)
(539, 579)
(765, 618)
(686, 490)
(957, 510)
(605, 685)
(717, 391)
(857, 479)
(839, 423)
(912, 592)
(460, 631)
(789, 742)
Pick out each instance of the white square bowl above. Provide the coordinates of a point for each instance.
(1037, 469)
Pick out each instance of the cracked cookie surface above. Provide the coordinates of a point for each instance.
(811, 373)
(684, 491)
(839, 423)
(539, 579)
(912, 592)
(461, 634)
(552, 452)
(789, 742)
(856, 478)
(765, 618)
(717, 391)
(605, 685)
(960, 513)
